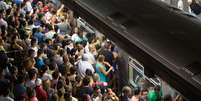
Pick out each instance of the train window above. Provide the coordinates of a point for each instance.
(137, 77)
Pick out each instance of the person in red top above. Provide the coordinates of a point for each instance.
(41, 94)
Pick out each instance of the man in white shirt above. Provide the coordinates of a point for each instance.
(83, 65)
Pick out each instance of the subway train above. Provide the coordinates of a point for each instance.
(159, 40)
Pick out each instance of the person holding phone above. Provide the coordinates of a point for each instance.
(101, 69)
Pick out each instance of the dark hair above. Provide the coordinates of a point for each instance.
(5, 87)
(21, 78)
(78, 78)
(33, 40)
(72, 70)
(54, 97)
(32, 73)
(60, 84)
(167, 97)
(40, 51)
(55, 74)
(31, 52)
(67, 96)
(44, 68)
(4, 59)
(30, 92)
(88, 72)
(52, 65)
(86, 81)
(47, 41)
(85, 97)
(30, 22)
(137, 91)
(49, 27)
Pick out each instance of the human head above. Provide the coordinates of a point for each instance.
(31, 53)
(88, 72)
(21, 78)
(33, 42)
(32, 74)
(126, 91)
(86, 97)
(101, 58)
(96, 77)
(86, 81)
(137, 91)
(40, 52)
(72, 70)
(68, 96)
(38, 82)
(31, 93)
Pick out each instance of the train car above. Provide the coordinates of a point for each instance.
(162, 37)
(135, 76)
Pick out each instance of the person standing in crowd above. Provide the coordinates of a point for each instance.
(20, 89)
(126, 93)
(154, 94)
(85, 89)
(39, 59)
(41, 94)
(79, 37)
(39, 35)
(136, 96)
(31, 93)
(97, 96)
(31, 83)
(110, 96)
(68, 96)
(101, 69)
(83, 65)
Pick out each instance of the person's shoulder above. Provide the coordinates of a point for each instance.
(74, 99)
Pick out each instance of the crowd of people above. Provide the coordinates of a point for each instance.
(46, 55)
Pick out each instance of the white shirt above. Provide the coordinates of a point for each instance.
(83, 66)
(74, 37)
(50, 34)
(30, 84)
(36, 50)
(46, 76)
(29, 7)
(3, 23)
(90, 57)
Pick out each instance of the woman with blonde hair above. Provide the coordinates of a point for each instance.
(101, 69)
